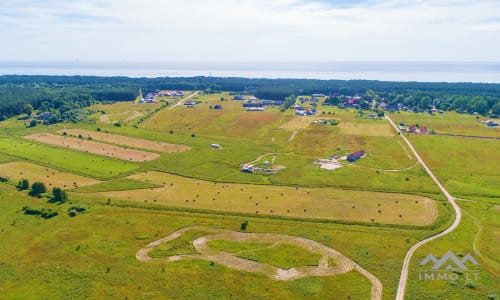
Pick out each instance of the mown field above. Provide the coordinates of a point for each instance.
(315, 203)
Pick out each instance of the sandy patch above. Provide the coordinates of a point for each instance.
(128, 141)
(328, 164)
(93, 147)
(298, 123)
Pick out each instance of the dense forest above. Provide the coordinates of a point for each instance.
(62, 96)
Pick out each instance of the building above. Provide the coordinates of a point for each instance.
(355, 155)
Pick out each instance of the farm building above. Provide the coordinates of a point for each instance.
(215, 146)
(247, 169)
(355, 155)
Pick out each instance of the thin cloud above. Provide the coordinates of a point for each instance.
(283, 30)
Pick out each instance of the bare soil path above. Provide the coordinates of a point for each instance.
(342, 263)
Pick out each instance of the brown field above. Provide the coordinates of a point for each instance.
(128, 141)
(52, 178)
(93, 147)
(319, 203)
(366, 129)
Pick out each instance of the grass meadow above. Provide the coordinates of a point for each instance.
(465, 166)
(448, 123)
(88, 256)
(372, 210)
(477, 235)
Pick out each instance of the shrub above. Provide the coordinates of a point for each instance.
(45, 213)
(244, 225)
(58, 195)
(37, 188)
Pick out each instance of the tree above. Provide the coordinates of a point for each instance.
(58, 195)
(496, 108)
(37, 188)
(23, 184)
(28, 109)
(33, 123)
(244, 225)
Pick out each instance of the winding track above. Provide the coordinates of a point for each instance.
(343, 264)
(458, 216)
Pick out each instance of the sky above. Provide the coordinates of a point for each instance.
(249, 30)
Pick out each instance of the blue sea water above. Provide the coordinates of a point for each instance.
(388, 71)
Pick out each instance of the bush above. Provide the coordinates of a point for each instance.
(23, 184)
(45, 213)
(37, 188)
(4, 179)
(244, 225)
(58, 195)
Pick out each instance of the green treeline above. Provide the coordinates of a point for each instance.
(64, 96)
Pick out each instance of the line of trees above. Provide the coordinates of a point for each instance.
(62, 95)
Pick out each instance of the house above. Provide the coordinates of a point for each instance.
(424, 130)
(317, 95)
(44, 116)
(355, 155)
(247, 169)
(238, 97)
(215, 146)
(491, 123)
(311, 112)
(300, 112)
(254, 108)
(412, 129)
(190, 104)
(178, 94)
(372, 116)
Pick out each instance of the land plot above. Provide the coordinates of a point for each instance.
(318, 203)
(128, 141)
(449, 123)
(366, 129)
(466, 167)
(51, 177)
(68, 160)
(298, 123)
(94, 147)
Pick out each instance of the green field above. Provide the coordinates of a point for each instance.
(372, 210)
(99, 246)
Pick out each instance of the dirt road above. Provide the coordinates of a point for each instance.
(458, 216)
(180, 102)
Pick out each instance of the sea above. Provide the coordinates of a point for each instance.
(485, 72)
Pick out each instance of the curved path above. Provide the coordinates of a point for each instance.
(458, 216)
(342, 263)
